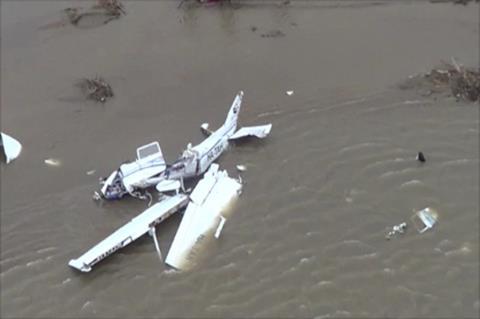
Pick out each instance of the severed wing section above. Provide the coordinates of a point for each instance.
(259, 131)
(126, 234)
(208, 200)
(11, 147)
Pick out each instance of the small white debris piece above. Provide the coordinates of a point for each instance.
(52, 162)
(397, 229)
(220, 227)
(425, 219)
(96, 196)
(241, 168)
(91, 172)
(289, 93)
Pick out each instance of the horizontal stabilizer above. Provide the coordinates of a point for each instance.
(205, 129)
(259, 131)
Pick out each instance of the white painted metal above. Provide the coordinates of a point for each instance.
(153, 233)
(205, 129)
(259, 131)
(194, 161)
(220, 227)
(208, 200)
(428, 217)
(11, 147)
(123, 236)
(168, 186)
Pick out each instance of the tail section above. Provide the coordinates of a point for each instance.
(232, 117)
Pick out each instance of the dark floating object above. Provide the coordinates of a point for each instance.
(273, 34)
(421, 157)
(96, 89)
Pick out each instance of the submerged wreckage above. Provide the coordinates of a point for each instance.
(11, 147)
(204, 206)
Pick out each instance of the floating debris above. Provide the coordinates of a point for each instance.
(420, 157)
(462, 82)
(91, 172)
(241, 168)
(464, 2)
(110, 9)
(52, 162)
(397, 229)
(289, 93)
(11, 148)
(96, 89)
(113, 7)
(273, 34)
(425, 219)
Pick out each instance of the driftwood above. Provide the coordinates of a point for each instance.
(110, 9)
(449, 77)
(464, 83)
(96, 89)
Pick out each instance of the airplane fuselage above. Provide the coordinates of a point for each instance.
(196, 160)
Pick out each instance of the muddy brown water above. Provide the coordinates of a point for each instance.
(306, 238)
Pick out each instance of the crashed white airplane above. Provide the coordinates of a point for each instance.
(150, 168)
(208, 200)
(11, 147)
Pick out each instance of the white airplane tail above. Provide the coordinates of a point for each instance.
(232, 117)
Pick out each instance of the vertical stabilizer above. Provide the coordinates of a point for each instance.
(232, 116)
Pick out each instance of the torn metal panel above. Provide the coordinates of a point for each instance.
(209, 199)
(425, 219)
(11, 147)
(128, 233)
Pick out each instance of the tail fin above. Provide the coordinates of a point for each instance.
(232, 116)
